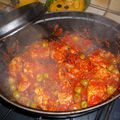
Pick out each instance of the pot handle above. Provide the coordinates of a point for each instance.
(20, 17)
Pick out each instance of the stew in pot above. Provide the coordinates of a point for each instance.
(60, 76)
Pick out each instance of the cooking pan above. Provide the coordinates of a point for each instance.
(94, 27)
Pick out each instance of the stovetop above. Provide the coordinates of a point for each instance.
(109, 112)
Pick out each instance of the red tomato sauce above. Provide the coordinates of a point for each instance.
(59, 76)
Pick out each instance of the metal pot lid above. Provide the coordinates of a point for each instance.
(20, 17)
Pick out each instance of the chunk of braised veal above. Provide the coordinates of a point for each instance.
(23, 85)
(102, 58)
(96, 92)
(59, 51)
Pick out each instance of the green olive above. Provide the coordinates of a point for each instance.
(16, 94)
(13, 87)
(110, 90)
(84, 104)
(78, 90)
(84, 82)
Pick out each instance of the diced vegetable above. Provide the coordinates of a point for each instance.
(16, 94)
(45, 44)
(78, 90)
(84, 104)
(41, 76)
(45, 75)
(69, 65)
(111, 67)
(39, 91)
(114, 61)
(84, 82)
(82, 56)
(33, 105)
(13, 87)
(115, 71)
(110, 90)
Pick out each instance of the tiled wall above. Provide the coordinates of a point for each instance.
(108, 8)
